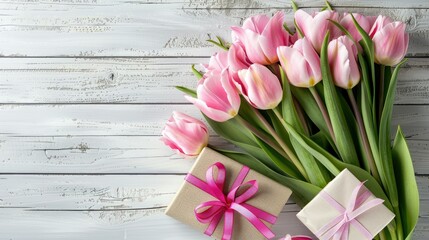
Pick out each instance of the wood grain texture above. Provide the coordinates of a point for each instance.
(120, 224)
(141, 119)
(113, 207)
(87, 85)
(138, 80)
(155, 28)
(117, 155)
(121, 138)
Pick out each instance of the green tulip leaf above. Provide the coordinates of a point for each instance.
(303, 192)
(335, 166)
(283, 164)
(314, 171)
(238, 135)
(312, 110)
(385, 148)
(344, 141)
(197, 73)
(188, 91)
(407, 186)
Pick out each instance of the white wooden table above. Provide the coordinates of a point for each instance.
(86, 86)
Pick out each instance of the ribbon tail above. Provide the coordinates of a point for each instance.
(345, 232)
(361, 229)
(260, 213)
(213, 224)
(254, 220)
(329, 230)
(228, 225)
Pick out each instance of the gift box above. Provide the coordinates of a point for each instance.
(252, 194)
(345, 209)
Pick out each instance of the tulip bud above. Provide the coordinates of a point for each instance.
(349, 25)
(315, 27)
(301, 63)
(184, 134)
(217, 97)
(342, 54)
(260, 87)
(390, 41)
(261, 36)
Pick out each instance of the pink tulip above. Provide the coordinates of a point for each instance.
(260, 36)
(217, 63)
(300, 237)
(390, 41)
(301, 63)
(342, 54)
(378, 24)
(260, 87)
(217, 97)
(184, 134)
(315, 27)
(348, 24)
(237, 58)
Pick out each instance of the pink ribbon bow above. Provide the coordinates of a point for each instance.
(225, 204)
(338, 228)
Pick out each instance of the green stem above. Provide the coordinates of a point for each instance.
(392, 231)
(381, 92)
(399, 230)
(382, 235)
(301, 116)
(263, 136)
(364, 137)
(325, 114)
(294, 159)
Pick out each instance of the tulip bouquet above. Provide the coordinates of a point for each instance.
(303, 101)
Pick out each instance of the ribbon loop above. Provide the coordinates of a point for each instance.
(338, 228)
(225, 205)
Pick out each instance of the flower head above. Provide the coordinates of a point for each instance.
(217, 97)
(301, 63)
(184, 134)
(342, 54)
(260, 87)
(390, 41)
(260, 36)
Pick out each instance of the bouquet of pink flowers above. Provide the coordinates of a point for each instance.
(302, 102)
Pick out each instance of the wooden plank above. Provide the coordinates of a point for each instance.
(133, 28)
(141, 119)
(89, 154)
(113, 225)
(306, 3)
(109, 207)
(117, 154)
(110, 225)
(103, 192)
(138, 80)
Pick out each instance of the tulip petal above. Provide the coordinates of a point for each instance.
(274, 35)
(303, 19)
(217, 115)
(256, 23)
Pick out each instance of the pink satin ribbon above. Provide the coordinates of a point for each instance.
(211, 212)
(338, 228)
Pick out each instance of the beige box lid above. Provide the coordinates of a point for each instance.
(271, 197)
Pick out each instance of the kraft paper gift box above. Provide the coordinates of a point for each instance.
(318, 212)
(271, 197)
